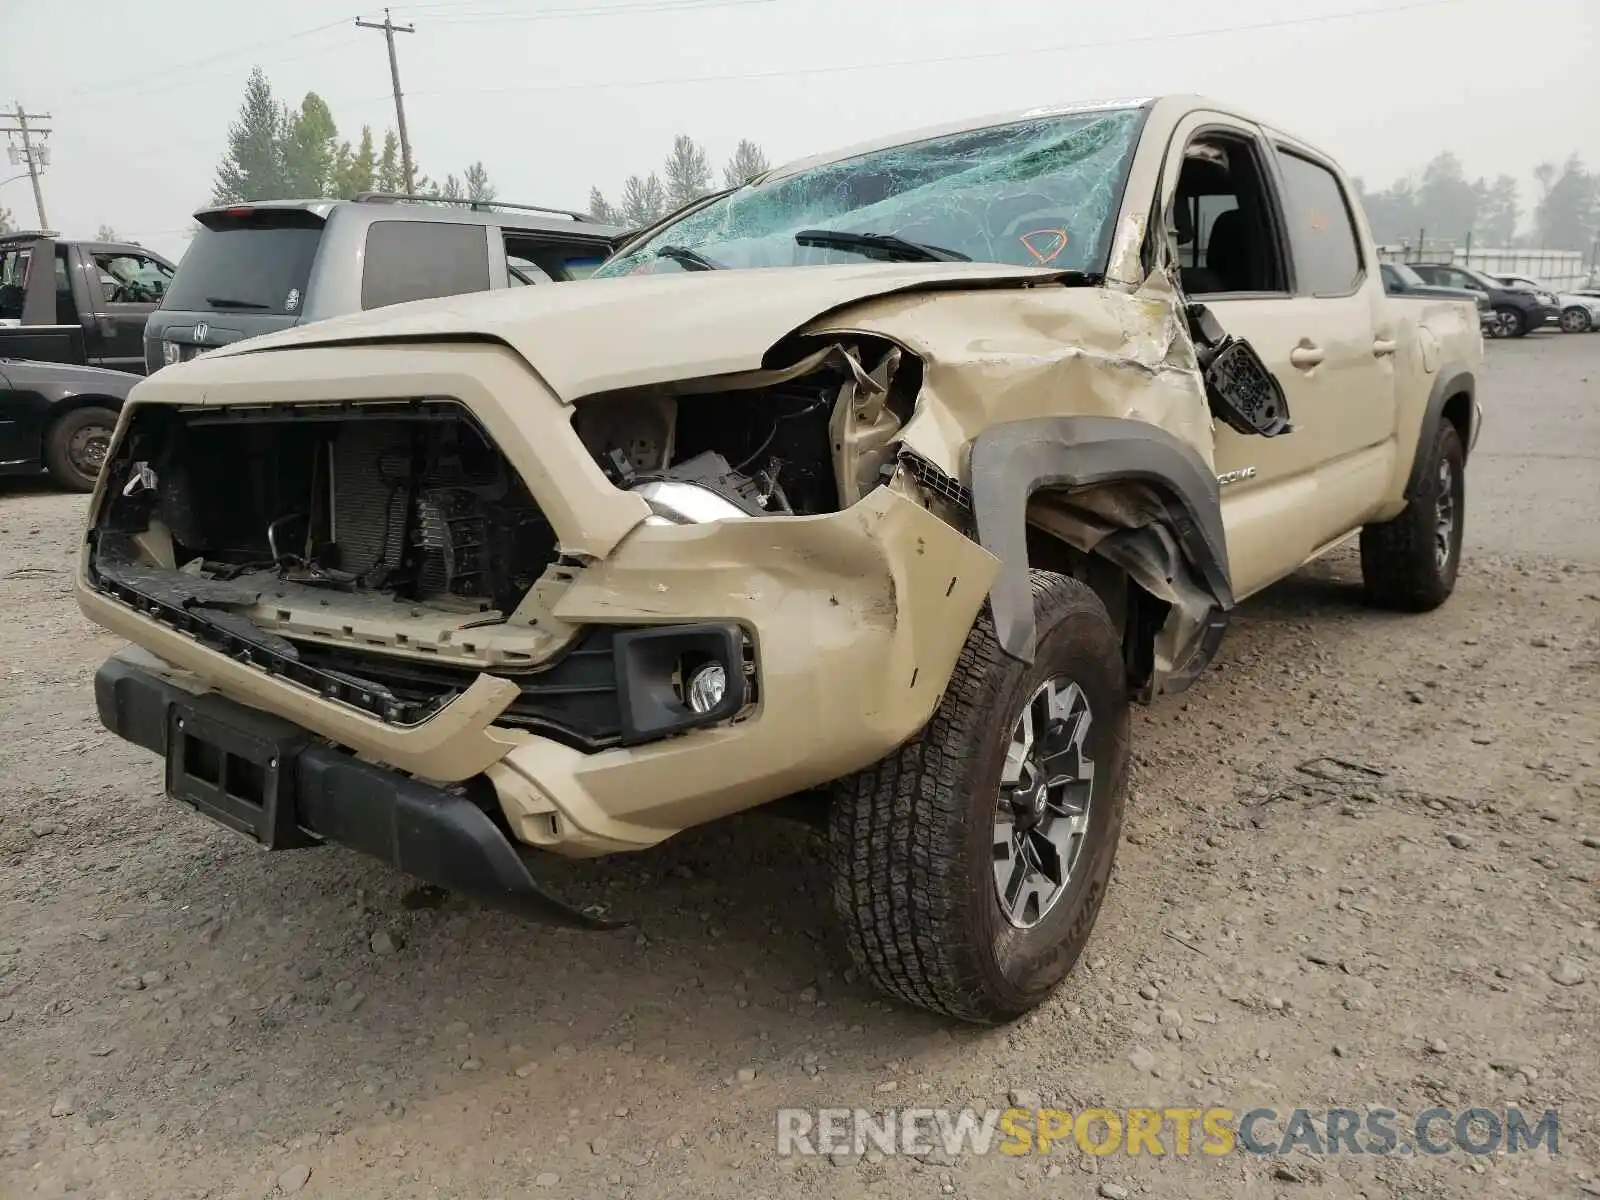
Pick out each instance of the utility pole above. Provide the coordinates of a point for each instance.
(389, 30)
(35, 156)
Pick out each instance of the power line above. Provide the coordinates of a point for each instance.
(643, 8)
(133, 83)
(389, 30)
(176, 83)
(976, 56)
(461, 10)
(36, 157)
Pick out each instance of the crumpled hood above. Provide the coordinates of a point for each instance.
(600, 335)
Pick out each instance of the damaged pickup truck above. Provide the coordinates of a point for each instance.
(882, 485)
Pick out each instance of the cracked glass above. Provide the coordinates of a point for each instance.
(1040, 192)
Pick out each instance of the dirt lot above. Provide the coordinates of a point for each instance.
(181, 1016)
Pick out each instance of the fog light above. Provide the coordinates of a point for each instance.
(707, 686)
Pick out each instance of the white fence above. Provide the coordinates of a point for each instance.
(1559, 268)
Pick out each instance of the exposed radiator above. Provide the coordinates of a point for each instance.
(372, 462)
(472, 531)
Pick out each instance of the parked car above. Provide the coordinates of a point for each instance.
(896, 537)
(58, 418)
(77, 302)
(255, 268)
(1401, 280)
(1517, 311)
(1577, 313)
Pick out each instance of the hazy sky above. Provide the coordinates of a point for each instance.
(554, 98)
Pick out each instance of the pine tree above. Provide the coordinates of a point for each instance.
(687, 171)
(451, 189)
(354, 169)
(390, 175)
(310, 149)
(252, 168)
(747, 162)
(476, 181)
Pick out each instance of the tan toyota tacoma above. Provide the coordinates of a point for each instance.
(882, 485)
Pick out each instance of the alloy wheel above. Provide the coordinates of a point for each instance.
(1041, 817)
(1444, 515)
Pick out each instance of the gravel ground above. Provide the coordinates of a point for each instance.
(1360, 868)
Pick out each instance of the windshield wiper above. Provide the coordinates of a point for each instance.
(881, 245)
(689, 260)
(225, 302)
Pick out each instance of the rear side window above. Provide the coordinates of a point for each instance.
(1321, 229)
(417, 260)
(247, 261)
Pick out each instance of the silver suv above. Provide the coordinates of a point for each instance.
(260, 267)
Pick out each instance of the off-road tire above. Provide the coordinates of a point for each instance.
(58, 446)
(912, 837)
(1400, 564)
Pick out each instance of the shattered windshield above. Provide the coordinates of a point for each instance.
(1040, 192)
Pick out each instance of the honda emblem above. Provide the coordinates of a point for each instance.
(201, 331)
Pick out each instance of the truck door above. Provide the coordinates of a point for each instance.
(129, 286)
(1255, 245)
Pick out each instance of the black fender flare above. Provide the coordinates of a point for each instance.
(1454, 379)
(1011, 461)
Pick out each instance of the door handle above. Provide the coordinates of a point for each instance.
(1306, 356)
(1382, 346)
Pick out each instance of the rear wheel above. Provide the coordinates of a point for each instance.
(1575, 320)
(969, 865)
(1410, 563)
(75, 447)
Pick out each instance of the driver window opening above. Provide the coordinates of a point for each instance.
(1222, 223)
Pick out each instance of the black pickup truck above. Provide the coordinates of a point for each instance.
(83, 303)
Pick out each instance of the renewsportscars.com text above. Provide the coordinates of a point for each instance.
(1163, 1131)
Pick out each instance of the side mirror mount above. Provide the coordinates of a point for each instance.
(1243, 393)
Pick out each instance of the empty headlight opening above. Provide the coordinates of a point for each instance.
(808, 433)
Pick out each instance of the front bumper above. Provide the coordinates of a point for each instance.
(289, 790)
(856, 618)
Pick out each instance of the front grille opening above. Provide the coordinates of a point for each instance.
(407, 501)
(269, 531)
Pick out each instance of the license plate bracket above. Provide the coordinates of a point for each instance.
(243, 779)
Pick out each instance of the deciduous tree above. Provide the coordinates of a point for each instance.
(687, 171)
(643, 200)
(747, 162)
(1569, 210)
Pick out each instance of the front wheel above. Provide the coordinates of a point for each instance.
(1575, 320)
(1509, 323)
(970, 864)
